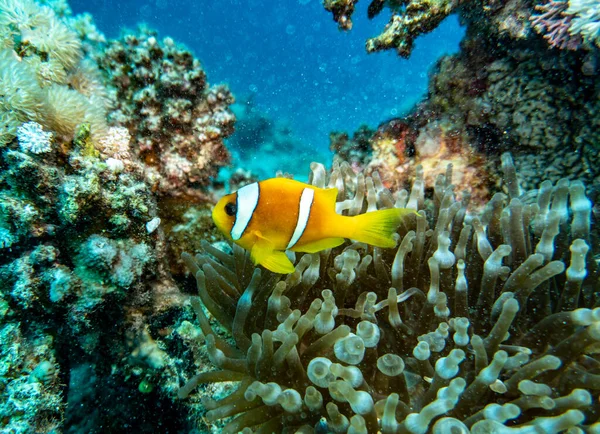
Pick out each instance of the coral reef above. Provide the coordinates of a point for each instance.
(85, 283)
(79, 270)
(529, 103)
(476, 323)
(31, 396)
(398, 146)
(176, 120)
(508, 89)
(356, 150)
(486, 317)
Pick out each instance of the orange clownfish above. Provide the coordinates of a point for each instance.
(269, 217)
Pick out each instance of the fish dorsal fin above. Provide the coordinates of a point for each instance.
(330, 195)
(263, 253)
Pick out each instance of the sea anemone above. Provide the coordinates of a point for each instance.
(22, 98)
(66, 108)
(471, 324)
(43, 77)
(38, 27)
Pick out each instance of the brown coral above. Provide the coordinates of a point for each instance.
(176, 120)
(418, 17)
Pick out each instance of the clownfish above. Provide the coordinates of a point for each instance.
(278, 214)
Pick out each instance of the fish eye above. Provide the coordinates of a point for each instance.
(231, 209)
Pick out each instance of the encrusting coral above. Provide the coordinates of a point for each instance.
(357, 151)
(176, 119)
(476, 323)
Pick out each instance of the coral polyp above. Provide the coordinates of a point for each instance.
(476, 323)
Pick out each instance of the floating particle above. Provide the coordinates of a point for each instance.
(290, 29)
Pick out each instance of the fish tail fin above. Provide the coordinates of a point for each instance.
(377, 227)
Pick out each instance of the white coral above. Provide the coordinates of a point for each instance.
(33, 138)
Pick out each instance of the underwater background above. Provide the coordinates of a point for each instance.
(124, 309)
(296, 78)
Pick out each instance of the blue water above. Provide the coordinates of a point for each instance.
(302, 73)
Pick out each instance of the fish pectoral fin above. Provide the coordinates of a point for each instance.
(263, 253)
(317, 246)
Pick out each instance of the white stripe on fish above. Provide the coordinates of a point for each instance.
(247, 200)
(306, 201)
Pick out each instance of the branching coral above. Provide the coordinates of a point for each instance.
(407, 23)
(342, 11)
(413, 18)
(177, 121)
(409, 20)
(480, 323)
